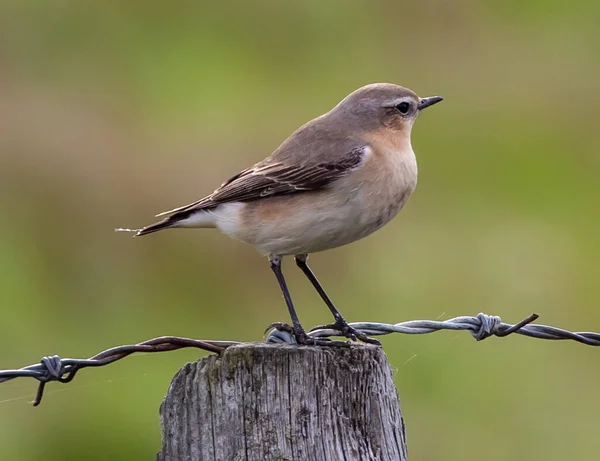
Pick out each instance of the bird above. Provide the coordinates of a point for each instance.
(336, 179)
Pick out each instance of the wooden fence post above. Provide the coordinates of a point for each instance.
(262, 402)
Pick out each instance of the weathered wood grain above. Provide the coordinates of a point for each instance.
(260, 402)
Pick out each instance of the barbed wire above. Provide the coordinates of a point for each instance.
(63, 370)
(481, 326)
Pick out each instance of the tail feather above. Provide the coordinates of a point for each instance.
(184, 218)
(164, 224)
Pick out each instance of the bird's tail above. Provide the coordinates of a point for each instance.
(164, 224)
(191, 218)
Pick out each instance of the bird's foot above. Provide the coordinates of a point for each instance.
(281, 326)
(347, 331)
(300, 336)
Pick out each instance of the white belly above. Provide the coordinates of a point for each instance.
(310, 230)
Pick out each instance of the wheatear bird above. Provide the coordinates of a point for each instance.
(336, 179)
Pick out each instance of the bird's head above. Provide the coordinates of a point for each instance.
(383, 105)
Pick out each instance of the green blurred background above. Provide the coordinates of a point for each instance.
(113, 111)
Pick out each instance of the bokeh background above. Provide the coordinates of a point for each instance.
(113, 111)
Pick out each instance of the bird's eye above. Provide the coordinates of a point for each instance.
(403, 108)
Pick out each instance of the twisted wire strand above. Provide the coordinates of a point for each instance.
(481, 326)
(63, 370)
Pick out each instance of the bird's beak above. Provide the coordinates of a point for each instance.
(426, 102)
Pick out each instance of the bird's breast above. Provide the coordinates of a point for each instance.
(385, 183)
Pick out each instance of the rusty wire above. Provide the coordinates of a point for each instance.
(63, 370)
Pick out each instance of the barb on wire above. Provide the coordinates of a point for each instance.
(63, 370)
(481, 326)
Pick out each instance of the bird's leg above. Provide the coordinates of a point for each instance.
(339, 323)
(296, 329)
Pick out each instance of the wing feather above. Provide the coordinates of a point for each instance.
(275, 178)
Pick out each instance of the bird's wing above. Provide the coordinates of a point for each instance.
(271, 178)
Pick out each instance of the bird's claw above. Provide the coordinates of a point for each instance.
(300, 336)
(279, 326)
(348, 332)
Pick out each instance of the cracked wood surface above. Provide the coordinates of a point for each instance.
(260, 402)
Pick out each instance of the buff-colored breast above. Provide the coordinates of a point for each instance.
(352, 208)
